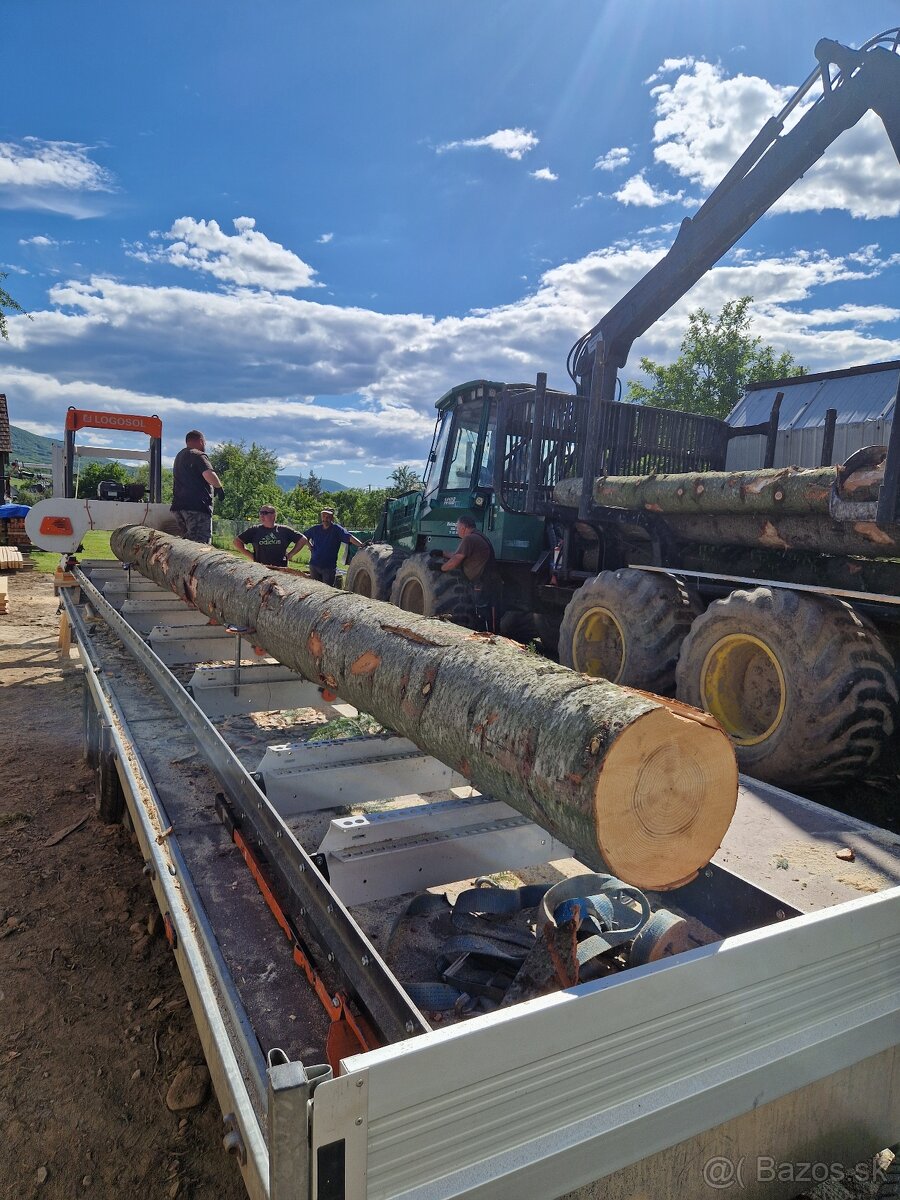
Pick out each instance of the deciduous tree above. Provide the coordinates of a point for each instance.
(9, 305)
(718, 359)
(248, 477)
(93, 473)
(405, 479)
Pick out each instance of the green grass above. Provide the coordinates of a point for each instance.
(96, 545)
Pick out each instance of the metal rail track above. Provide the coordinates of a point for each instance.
(303, 891)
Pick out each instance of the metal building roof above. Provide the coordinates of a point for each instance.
(864, 393)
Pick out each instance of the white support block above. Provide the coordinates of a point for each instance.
(366, 829)
(145, 613)
(176, 645)
(160, 600)
(118, 592)
(109, 573)
(262, 687)
(300, 778)
(135, 586)
(389, 854)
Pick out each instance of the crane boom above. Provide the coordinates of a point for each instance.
(867, 79)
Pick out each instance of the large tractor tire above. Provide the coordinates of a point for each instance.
(372, 571)
(627, 626)
(804, 687)
(445, 594)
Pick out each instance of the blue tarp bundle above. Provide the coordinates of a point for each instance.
(13, 510)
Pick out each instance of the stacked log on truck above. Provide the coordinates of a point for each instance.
(646, 785)
(800, 679)
(821, 509)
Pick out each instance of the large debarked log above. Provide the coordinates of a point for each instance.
(648, 784)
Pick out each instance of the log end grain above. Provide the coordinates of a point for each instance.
(665, 797)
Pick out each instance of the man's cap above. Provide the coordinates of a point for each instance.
(326, 510)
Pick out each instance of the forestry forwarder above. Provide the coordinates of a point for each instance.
(796, 670)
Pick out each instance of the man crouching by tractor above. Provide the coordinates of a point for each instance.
(475, 555)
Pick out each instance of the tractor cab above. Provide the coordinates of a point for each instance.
(414, 528)
(459, 478)
(458, 474)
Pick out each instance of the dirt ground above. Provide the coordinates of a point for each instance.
(94, 1024)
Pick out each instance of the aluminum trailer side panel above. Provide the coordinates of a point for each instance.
(218, 1015)
(546, 1097)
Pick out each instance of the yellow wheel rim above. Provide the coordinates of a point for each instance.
(742, 686)
(598, 645)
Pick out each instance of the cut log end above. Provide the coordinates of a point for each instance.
(665, 798)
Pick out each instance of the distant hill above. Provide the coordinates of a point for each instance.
(31, 447)
(287, 483)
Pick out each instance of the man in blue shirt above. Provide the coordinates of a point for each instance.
(325, 540)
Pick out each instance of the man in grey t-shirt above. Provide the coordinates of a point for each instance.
(475, 555)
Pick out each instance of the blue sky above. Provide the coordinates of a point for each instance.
(301, 224)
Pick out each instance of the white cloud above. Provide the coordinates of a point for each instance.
(637, 191)
(324, 239)
(618, 156)
(174, 350)
(514, 143)
(668, 66)
(666, 227)
(38, 240)
(40, 164)
(246, 258)
(706, 120)
(544, 173)
(52, 177)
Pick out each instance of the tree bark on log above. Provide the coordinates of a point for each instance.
(649, 785)
(818, 535)
(786, 491)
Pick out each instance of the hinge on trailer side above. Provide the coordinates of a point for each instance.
(290, 1090)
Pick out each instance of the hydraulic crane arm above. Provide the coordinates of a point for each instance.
(866, 79)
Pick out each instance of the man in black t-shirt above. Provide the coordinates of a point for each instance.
(270, 542)
(193, 484)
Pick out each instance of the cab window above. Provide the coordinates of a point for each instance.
(436, 459)
(486, 473)
(466, 423)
